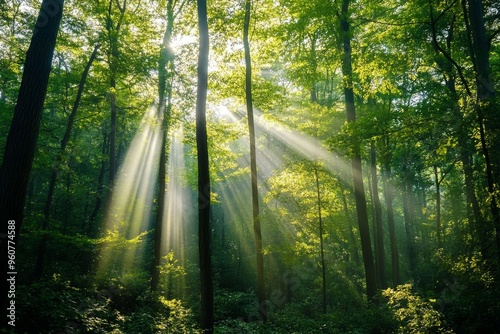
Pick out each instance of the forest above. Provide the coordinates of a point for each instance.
(254, 166)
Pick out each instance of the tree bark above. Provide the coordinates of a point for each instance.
(359, 192)
(261, 292)
(21, 141)
(437, 183)
(204, 229)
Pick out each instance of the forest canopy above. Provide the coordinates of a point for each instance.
(284, 166)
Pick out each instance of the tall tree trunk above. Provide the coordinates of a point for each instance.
(322, 252)
(21, 141)
(204, 232)
(437, 183)
(378, 228)
(165, 77)
(261, 292)
(113, 54)
(42, 247)
(359, 192)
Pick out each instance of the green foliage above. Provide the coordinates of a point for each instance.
(230, 326)
(413, 313)
(122, 307)
(234, 305)
(297, 318)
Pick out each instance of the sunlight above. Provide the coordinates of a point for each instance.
(177, 203)
(129, 212)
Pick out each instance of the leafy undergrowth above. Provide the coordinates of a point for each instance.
(55, 306)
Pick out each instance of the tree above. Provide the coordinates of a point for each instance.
(322, 251)
(113, 33)
(23, 133)
(204, 229)
(489, 123)
(165, 77)
(357, 174)
(261, 292)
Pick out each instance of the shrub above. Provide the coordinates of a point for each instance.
(413, 313)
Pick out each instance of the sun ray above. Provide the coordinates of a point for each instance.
(129, 211)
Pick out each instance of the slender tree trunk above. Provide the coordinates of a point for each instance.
(206, 291)
(113, 33)
(165, 76)
(378, 228)
(437, 183)
(359, 192)
(261, 292)
(322, 253)
(21, 140)
(42, 247)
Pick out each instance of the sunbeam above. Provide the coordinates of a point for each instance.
(177, 204)
(129, 211)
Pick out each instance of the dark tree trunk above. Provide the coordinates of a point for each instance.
(322, 252)
(359, 192)
(378, 228)
(42, 247)
(261, 292)
(165, 76)
(21, 141)
(113, 54)
(437, 183)
(204, 232)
